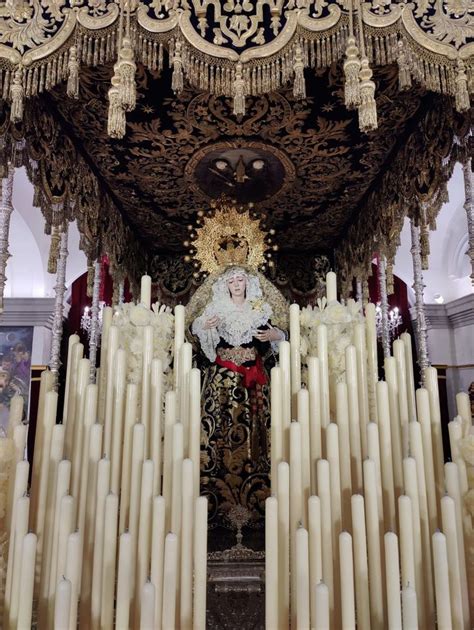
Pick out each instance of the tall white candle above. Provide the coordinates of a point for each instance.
(157, 553)
(324, 493)
(373, 449)
(347, 581)
(391, 377)
(424, 417)
(109, 561)
(271, 563)
(409, 608)
(407, 553)
(101, 378)
(195, 427)
(315, 548)
(342, 417)
(431, 379)
(373, 545)
(441, 578)
(361, 354)
(455, 434)
(284, 361)
(177, 476)
(63, 605)
(103, 487)
(186, 555)
(147, 608)
(276, 408)
(406, 338)
(156, 392)
(144, 532)
(386, 463)
(89, 416)
(200, 564)
(72, 573)
(463, 405)
(170, 582)
(353, 414)
(170, 419)
(21, 529)
(372, 371)
(321, 605)
(402, 376)
(119, 387)
(296, 506)
(83, 373)
(295, 353)
(283, 498)
(361, 570)
(73, 339)
(112, 346)
(322, 345)
(138, 454)
(47, 383)
(303, 419)
(333, 456)
(185, 366)
(314, 389)
(331, 286)
(130, 419)
(179, 317)
(448, 514)
(392, 581)
(145, 291)
(124, 587)
(302, 579)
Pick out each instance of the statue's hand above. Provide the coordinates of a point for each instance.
(212, 322)
(270, 334)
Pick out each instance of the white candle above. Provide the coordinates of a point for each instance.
(112, 346)
(186, 555)
(314, 390)
(342, 416)
(361, 354)
(406, 338)
(333, 455)
(302, 579)
(89, 416)
(63, 605)
(431, 379)
(179, 317)
(373, 545)
(124, 587)
(284, 359)
(72, 573)
(145, 291)
(392, 581)
(73, 339)
(441, 577)
(144, 531)
(324, 493)
(372, 371)
(391, 377)
(156, 393)
(77, 351)
(195, 427)
(147, 608)
(315, 548)
(331, 286)
(177, 475)
(321, 605)
(170, 419)
(322, 345)
(409, 608)
(67, 518)
(347, 581)
(455, 434)
(107, 315)
(103, 486)
(423, 410)
(295, 353)
(83, 374)
(276, 408)
(386, 463)
(353, 417)
(157, 553)
(27, 578)
(296, 505)
(463, 405)
(283, 498)
(200, 564)
(271, 563)
(119, 387)
(303, 419)
(108, 561)
(373, 449)
(402, 376)
(448, 513)
(170, 582)
(21, 529)
(361, 571)
(185, 366)
(138, 453)
(407, 553)
(130, 419)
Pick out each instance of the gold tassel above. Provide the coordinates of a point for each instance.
(125, 69)
(404, 75)
(73, 74)
(239, 94)
(299, 85)
(462, 95)
(351, 73)
(424, 245)
(54, 250)
(116, 123)
(368, 106)
(177, 81)
(17, 94)
(90, 279)
(389, 275)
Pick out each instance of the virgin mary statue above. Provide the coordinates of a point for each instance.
(237, 319)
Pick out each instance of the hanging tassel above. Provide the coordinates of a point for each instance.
(125, 69)
(116, 122)
(368, 106)
(461, 94)
(404, 74)
(424, 245)
(90, 279)
(73, 74)
(16, 95)
(351, 73)
(177, 81)
(299, 86)
(239, 94)
(54, 250)
(389, 276)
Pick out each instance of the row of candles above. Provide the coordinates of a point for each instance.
(365, 524)
(112, 530)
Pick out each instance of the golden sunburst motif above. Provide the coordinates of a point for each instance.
(229, 235)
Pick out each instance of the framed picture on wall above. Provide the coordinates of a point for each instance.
(15, 368)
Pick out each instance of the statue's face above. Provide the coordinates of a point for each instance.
(237, 284)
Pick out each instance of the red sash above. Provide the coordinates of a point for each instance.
(252, 375)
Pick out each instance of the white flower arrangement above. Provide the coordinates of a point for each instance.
(340, 320)
(131, 320)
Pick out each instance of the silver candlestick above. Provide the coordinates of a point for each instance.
(382, 268)
(6, 209)
(418, 286)
(60, 289)
(469, 207)
(94, 334)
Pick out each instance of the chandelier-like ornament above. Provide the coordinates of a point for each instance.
(395, 320)
(86, 320)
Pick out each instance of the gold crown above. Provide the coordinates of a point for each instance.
(229, 235)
